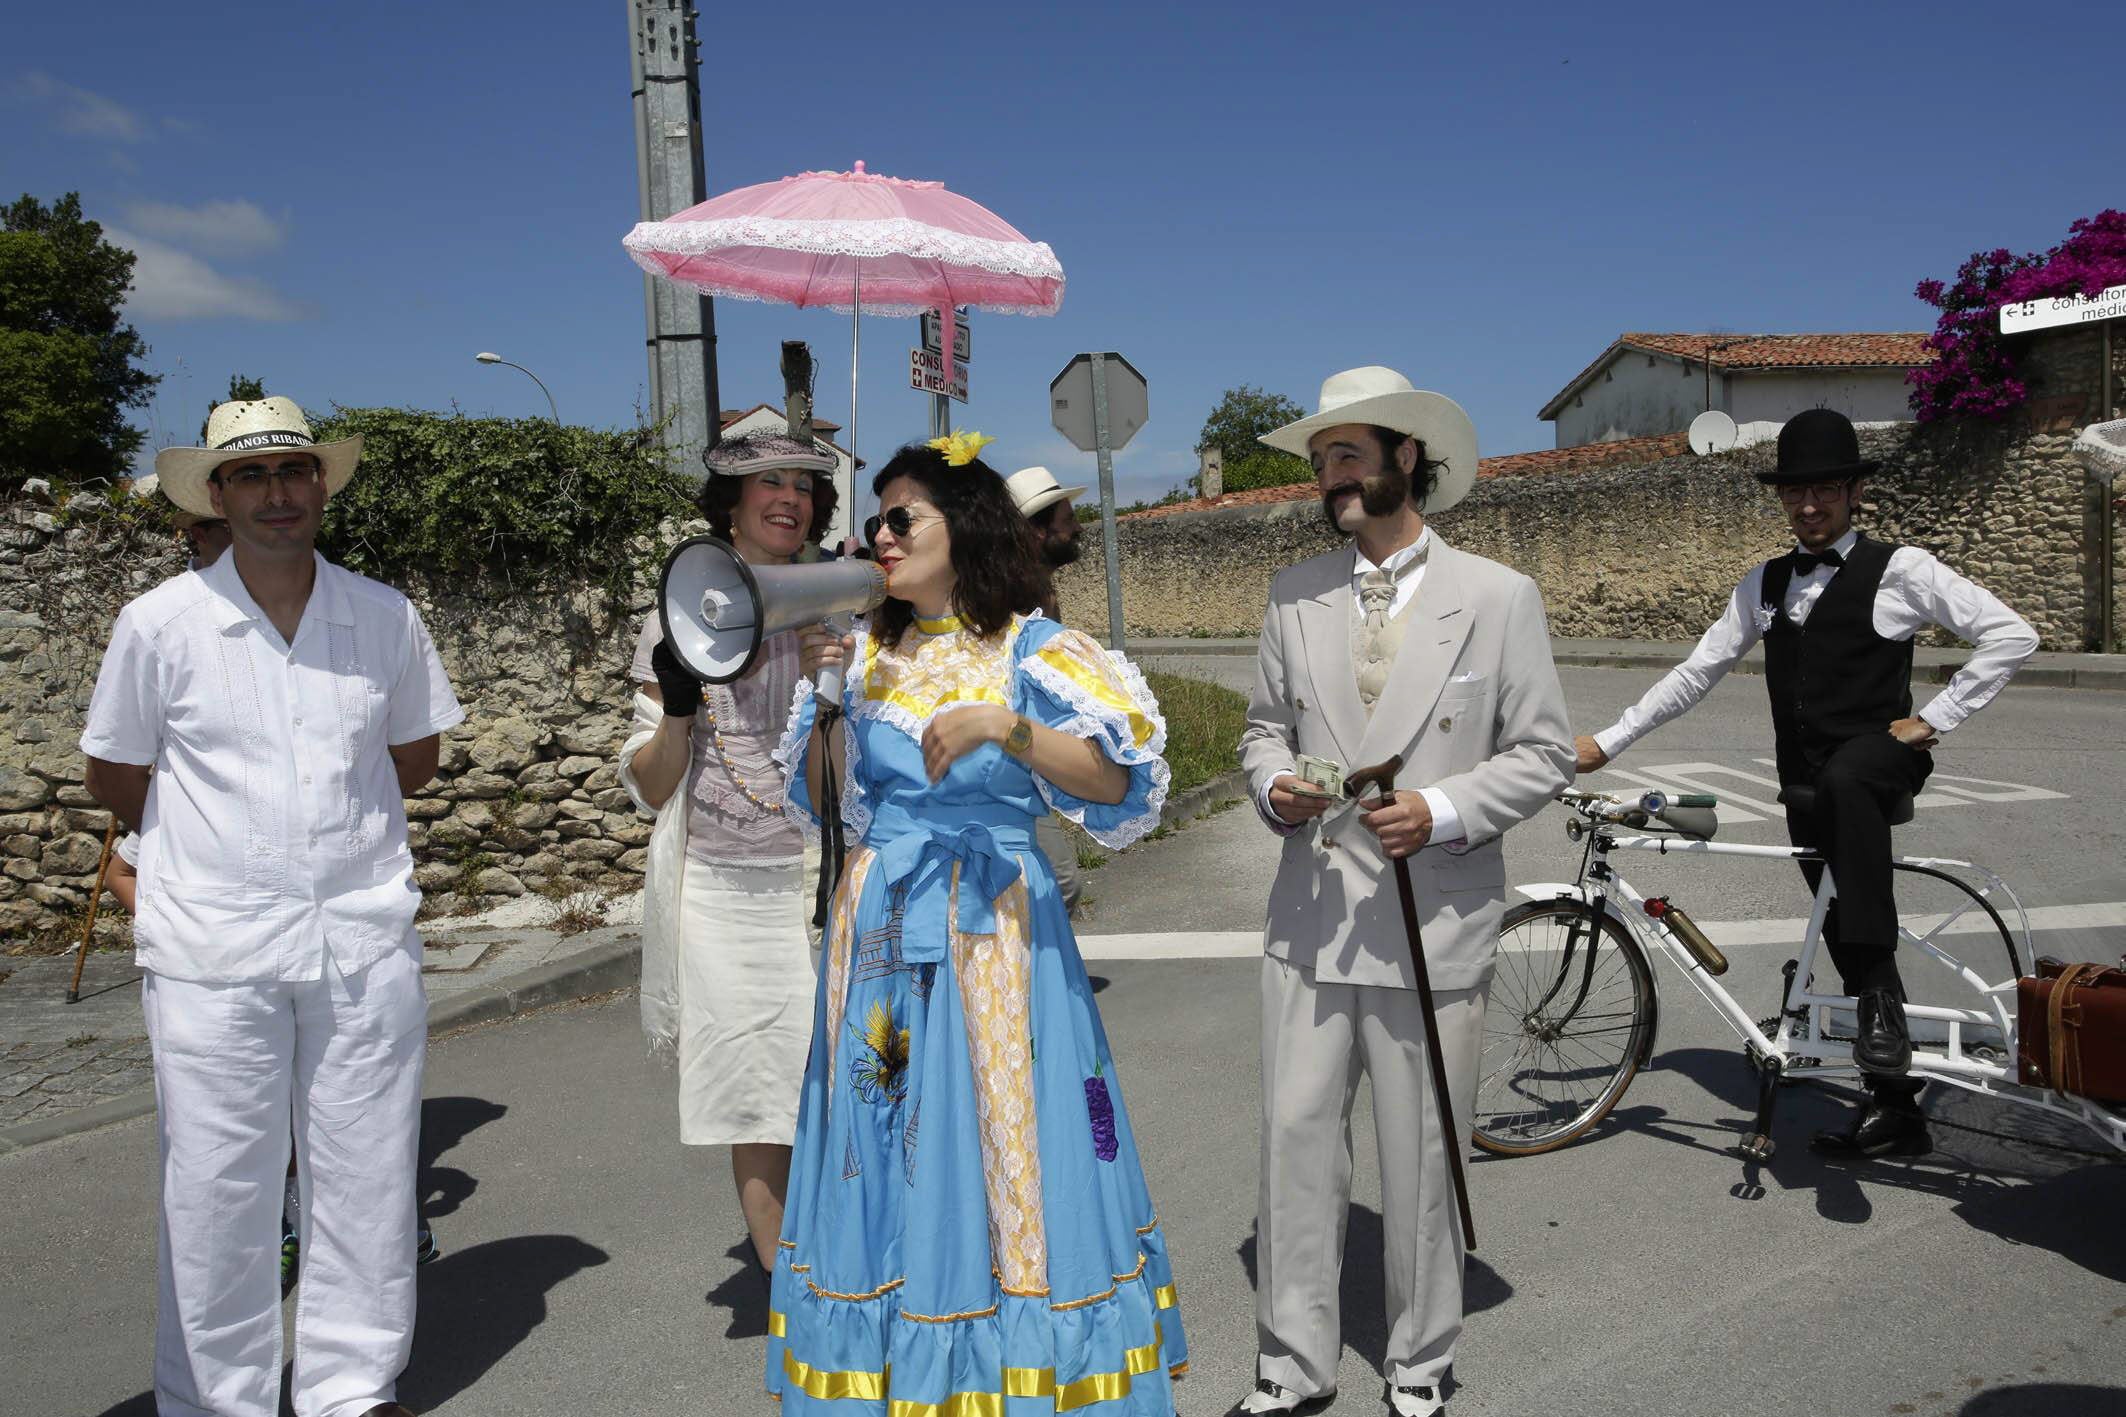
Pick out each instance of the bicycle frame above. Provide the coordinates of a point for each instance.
(1802, 1045)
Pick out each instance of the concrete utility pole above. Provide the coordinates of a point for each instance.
(665, 60)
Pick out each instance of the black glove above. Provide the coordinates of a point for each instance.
(682, 691)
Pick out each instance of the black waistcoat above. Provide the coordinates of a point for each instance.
(1832, 678)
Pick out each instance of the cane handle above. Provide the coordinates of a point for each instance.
(1380, 776)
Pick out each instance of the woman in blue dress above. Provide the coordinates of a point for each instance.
(968, 1231)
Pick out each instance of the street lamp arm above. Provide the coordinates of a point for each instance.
(498, 359)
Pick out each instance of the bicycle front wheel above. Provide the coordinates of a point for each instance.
(1571, 1013)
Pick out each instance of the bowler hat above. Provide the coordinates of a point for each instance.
(1818, 445)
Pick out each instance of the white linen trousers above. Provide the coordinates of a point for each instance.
(341, 1055)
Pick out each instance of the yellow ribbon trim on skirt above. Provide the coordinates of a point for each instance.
(825, 1386)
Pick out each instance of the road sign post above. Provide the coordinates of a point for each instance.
(1099, 402)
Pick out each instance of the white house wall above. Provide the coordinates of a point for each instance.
(1635, 399)
(1863, 395)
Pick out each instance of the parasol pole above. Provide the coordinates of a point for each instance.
(856, 325)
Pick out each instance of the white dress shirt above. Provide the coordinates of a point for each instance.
(1916, 591)
(274, 830)
(1446, 822)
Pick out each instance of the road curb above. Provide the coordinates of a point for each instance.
(614, 964)
(1200, 798)
(601, 969)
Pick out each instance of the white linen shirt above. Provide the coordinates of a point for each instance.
(1917, 590)
(274, 830)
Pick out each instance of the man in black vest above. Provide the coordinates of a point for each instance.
(1837, 616)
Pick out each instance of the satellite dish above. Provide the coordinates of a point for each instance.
(1711, 432)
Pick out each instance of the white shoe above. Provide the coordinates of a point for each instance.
(1415, 1401)
(1271, 1399)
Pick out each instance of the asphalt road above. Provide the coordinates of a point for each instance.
(592, 1263)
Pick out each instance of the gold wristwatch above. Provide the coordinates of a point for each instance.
(1020, 740)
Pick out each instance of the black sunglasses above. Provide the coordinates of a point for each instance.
(900, 521)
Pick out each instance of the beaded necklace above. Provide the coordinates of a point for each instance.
(716, 740)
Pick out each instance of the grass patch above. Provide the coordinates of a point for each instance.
(1203, 726)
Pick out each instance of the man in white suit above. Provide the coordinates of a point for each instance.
(1395, 644)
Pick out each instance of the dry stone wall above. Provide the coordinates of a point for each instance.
(1652, 551)
(528, 799)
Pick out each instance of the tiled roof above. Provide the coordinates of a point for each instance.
(1902, 349)
(1549, 460)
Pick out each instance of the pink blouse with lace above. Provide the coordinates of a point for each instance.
(734, 739)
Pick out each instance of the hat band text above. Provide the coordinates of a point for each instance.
(274, 438)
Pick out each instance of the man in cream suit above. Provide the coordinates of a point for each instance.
(1395, 644)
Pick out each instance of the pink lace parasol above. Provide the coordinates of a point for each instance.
(852, 241)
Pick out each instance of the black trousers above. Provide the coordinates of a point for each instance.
(1856, 784)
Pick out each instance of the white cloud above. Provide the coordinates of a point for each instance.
(77, 110)
(170, 284)
(230, 227)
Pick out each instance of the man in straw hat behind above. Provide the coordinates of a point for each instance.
(286, 706)
(1837, 615)
(1045, 503)
(1395, 644)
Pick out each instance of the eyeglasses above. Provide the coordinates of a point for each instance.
(898, 520)
(253, 477)
(1819, 492)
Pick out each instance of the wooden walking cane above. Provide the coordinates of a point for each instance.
(1382, 777)
(103, 869)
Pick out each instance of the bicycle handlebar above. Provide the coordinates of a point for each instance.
(1692, 814)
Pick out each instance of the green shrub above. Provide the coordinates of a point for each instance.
(525, 499)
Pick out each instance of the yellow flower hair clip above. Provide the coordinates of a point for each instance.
(960, 447)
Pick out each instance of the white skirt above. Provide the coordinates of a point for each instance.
(746, 979)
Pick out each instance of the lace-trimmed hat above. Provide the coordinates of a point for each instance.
(747, 453)
(241, 427)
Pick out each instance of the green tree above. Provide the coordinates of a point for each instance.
(1242, 416)
(241, 386)
(69, 368)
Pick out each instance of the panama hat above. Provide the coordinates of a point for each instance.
(1385, 399)
(1818, 445)
(1035, 489)
(249, 426)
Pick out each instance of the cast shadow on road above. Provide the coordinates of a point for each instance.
(446, 1121)
(2018, 1174)
(1363, 1295)
(478, 1304)
(2047, 1400)
(743, 1294)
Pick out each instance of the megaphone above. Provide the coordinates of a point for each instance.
(718, 611)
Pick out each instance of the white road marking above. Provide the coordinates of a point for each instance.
(1245, 944)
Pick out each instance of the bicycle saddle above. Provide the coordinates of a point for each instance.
(1801, 797)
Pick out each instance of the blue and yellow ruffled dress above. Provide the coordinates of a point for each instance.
(968, 1232)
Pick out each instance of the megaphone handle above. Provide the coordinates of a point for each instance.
(829, 686)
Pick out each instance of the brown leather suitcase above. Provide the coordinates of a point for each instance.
(2071, 1029)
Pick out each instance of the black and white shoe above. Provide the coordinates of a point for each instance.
(1271, 1399)
(1415, 1401)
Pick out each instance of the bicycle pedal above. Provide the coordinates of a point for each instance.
(1758, 1147)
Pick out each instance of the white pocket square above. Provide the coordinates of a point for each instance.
(1469, 678)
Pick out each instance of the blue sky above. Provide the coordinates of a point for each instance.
(351, 200)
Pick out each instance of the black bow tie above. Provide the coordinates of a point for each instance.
(1804, 562)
